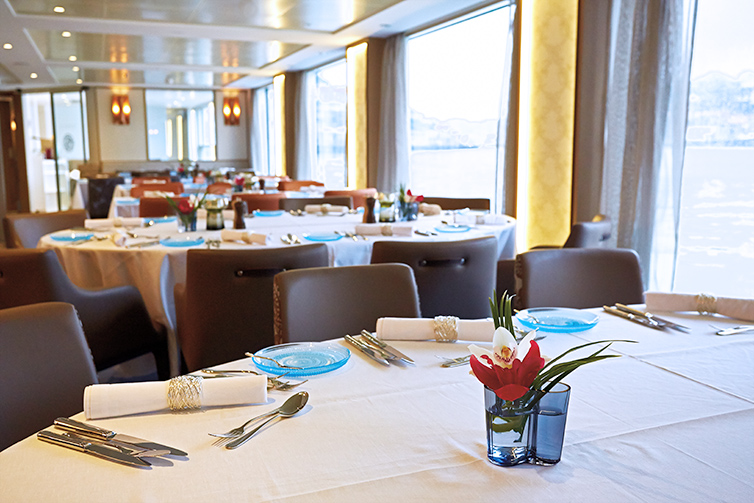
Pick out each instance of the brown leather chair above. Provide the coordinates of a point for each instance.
(45, 365)
(23, 230)
(174, 187)
(225, 308)
(454, 203)
(329, 302)
(297, 184)
(578, 278)
(454, 278)
(590, 234)
(221, 188)
(299, 203)
(264, 202)
(115, 320)
(359, 196)
(158, 206)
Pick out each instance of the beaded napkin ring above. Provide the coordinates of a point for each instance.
(706, 304)
(446, 328)
(185, 393)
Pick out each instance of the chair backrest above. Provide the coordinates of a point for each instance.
(329, 302)
(226, 306)
(158, 206)
(174, 187)
(299, 203)
(578, 278)
(359, 196)
(221, 188)
(23, 230)
(101, 195)
(297, 184)
(264, 202)
(590, 234)
(45, 364)
(454, 278)
(454, 203)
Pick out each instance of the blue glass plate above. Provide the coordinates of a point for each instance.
(71, 235)
(161, 220)
(181, 242)
(453, 228)
(312, 358)
(271, 213)
(557, 319)
(128, 200)
(325, 236)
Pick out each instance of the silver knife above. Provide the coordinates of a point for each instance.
(374, 347)
(127, 441)
(386, 347)
(636, 319)
(83, 445)
(371, 353)
(650, 316)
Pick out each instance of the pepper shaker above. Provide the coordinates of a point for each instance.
(369, 217)
(240, 208)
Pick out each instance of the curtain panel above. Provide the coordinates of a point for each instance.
(645, 126)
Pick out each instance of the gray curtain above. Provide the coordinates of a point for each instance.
(259, 161)
(507, 132)
(650, 59)
(392, 161)
(305, 131)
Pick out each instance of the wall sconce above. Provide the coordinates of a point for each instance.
(121, 109)
(232, 111)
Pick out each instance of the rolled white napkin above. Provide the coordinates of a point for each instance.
(384, 229)
(496, 219)
(157, 193)
(249, 237)
(129, 222)
(99, 223)
(325, 208)
(119, 237)
(111, 400)
(421, 329)
(430, 209)
(742, 309)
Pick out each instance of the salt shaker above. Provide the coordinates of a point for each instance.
(240, 208)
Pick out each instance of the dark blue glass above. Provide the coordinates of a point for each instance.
(549, 429)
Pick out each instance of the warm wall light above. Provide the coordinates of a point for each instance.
(121, 109)
(232, 111)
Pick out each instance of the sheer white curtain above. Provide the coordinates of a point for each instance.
(305, 115)
(392, 163)
(259, 148)
(645, 126)
(507, 129)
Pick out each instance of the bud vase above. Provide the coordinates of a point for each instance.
(509, 430)
(186, 223)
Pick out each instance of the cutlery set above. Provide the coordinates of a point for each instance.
(290, 239)
(273, 382)
(106, 444)
(376, 349)
(643, 318)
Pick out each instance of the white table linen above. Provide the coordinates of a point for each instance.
(669, 421)
(155, 270)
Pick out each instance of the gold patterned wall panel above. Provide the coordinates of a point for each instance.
(553, 25)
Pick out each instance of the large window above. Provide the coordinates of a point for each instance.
(455, 82)
(716, 238)
(330, 98)
(181, 125)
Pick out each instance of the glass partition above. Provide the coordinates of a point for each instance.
(181, 125)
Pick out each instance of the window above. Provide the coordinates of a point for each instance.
(716, 234)
(330, 98)
(455, 82)
(181, 125)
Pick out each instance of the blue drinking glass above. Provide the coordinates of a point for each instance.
(549, 426)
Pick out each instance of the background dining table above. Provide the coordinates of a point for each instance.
(670, 420)
(155, 270)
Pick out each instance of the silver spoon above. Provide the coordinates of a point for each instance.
(286, 240)
(291, 406)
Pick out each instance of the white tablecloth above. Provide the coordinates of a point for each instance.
(670, 421)
(155, 270)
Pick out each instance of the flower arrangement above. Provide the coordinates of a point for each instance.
(186, 209)
(405, 196)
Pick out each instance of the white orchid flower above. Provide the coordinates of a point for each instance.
(505, 349)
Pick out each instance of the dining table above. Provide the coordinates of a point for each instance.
(156, 261)
(668, 420)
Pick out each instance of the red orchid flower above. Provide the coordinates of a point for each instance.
(509, 383)
(184, 206)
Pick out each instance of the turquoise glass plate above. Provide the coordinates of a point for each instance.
(453, 228)
(309, 358)
(557, 319)
(71, 235)
(161, 220)
(270, 213)
(325, 236)
(129, 200)
(181, 242)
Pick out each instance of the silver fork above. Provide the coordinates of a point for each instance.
(224, 438)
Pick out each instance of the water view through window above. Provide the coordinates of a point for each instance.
(330, 98)
(716, 238)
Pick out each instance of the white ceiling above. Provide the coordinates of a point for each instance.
(193, 44)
